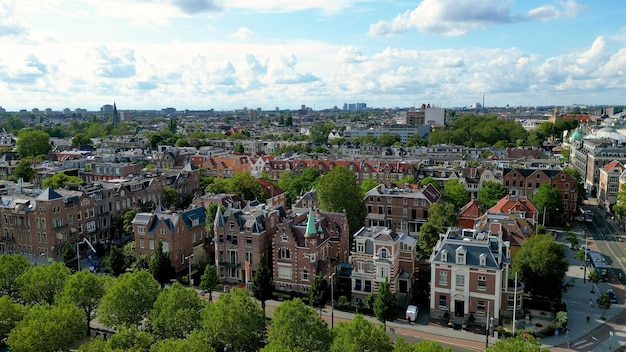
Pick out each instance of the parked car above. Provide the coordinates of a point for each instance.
(411, 313)
(612, 296)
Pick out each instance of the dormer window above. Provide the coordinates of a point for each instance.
(444, 256)
(460, 255)
(483, 259)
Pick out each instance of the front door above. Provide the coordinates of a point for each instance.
(459, 308)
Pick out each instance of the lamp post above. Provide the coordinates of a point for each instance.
(78, 255)
(487, 325)
(332, 300)
(188, 258)
(585, 265)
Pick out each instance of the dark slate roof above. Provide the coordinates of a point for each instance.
(473, 251)
(194, 214)
(49, 194)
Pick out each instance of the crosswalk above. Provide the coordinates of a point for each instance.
(581, 345)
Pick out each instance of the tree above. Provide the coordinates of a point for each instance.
(47, 329)
(490, 193)
(440, 216)
(620, 205)
(128, 299)
(594, 277)
(298, 328)
(353, 336)
(235, 321)
(181, 345)
(171, 198)
(68, 256)
(116, 261)
(59, 180)
(85, 290)
(129, 338)
(422, 346)
(238, 148)
(248, 186)
(11, 314)
(161, 265)
(81, 140)
(368, 184)
(604, 303)
(210, 280)
(32, 143)
(338, 191)
(386, 304)
(24, 170)
(580, 183)
(211, 212)
(549, 203)
(454, 192)
(127, 219)
(39, 284)
(318, 293)
(262, 282)
(429, 235)
(580, 255)
(11, 267)
(175, 313)
(523, 342)
(429, 180)
(541, 264)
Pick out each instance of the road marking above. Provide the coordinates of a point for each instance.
(577, 346)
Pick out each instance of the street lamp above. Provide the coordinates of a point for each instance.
(332, 300)
(487, 324)
(189, 259)
(585, 265)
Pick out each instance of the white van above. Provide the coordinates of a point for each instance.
(411, 313)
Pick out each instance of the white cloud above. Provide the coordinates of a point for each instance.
(350, 54)
(242, 33)
(459, 17)
(9, 23)
(447, 17)
(327, 6)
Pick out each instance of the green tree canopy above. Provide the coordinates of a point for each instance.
(338, 191)
(11, 314)
(386, 303)
(429, 180)
(175, 313)
(59, 180)
(116, 261)
(440, 217)
(318, 292)
(523, 342)
(549, 203)
(129, 338)
(422, 346)
(171, 198)
(490, 193)
(248, 186)
(81, 140)
(127, 219)
(297, 328)
(24, 170)
(262, 282)
(11, 267)
(353, 336)
(235, 321)
(85, 290)
(39, 284)
(367, 185)
(541, 264)
(161, 265)
(32, 143)
(211, 212)
(128, 299)
(294, 185)
(620, 206)
(47, 329)
(454, 192)
(181, 345)
(210, 280)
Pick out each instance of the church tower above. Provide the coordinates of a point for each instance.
(115, 119)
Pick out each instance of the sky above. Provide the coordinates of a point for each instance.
(231, 54)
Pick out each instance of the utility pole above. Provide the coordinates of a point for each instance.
(586, 251)
(188, 258)
(332, 300)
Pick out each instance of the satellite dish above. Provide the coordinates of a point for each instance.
(59, 236)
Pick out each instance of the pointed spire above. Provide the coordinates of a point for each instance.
(219, 218)
(311, 231)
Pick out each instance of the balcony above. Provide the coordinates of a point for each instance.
(230, 264)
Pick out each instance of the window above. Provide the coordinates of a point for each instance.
(166, 247)
(443, 302)
(284, 272)
(232, 257)
(141, 243)
(43, 223)
(151, 244)
(389, 200)
(283, 237)
(444, 256)
(249, 242)
(305, 275)
(443, 278)
(357, 284)
(368, 286)
(383, 253)
(284, 253)
(460, 282)
(370, 266)
(360, 247)
(510, 301)
(383, 273)
(232, 225)
(480, 308)
(193, 237)
(482, 283)
(482, 259)
(460, 256)
(249, 257)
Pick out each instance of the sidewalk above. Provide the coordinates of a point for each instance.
(594, 335)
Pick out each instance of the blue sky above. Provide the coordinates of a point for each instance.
(202, 54)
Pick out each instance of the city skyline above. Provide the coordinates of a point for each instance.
(203, 54)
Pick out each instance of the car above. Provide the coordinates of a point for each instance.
(411, 313)
(612, 296)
